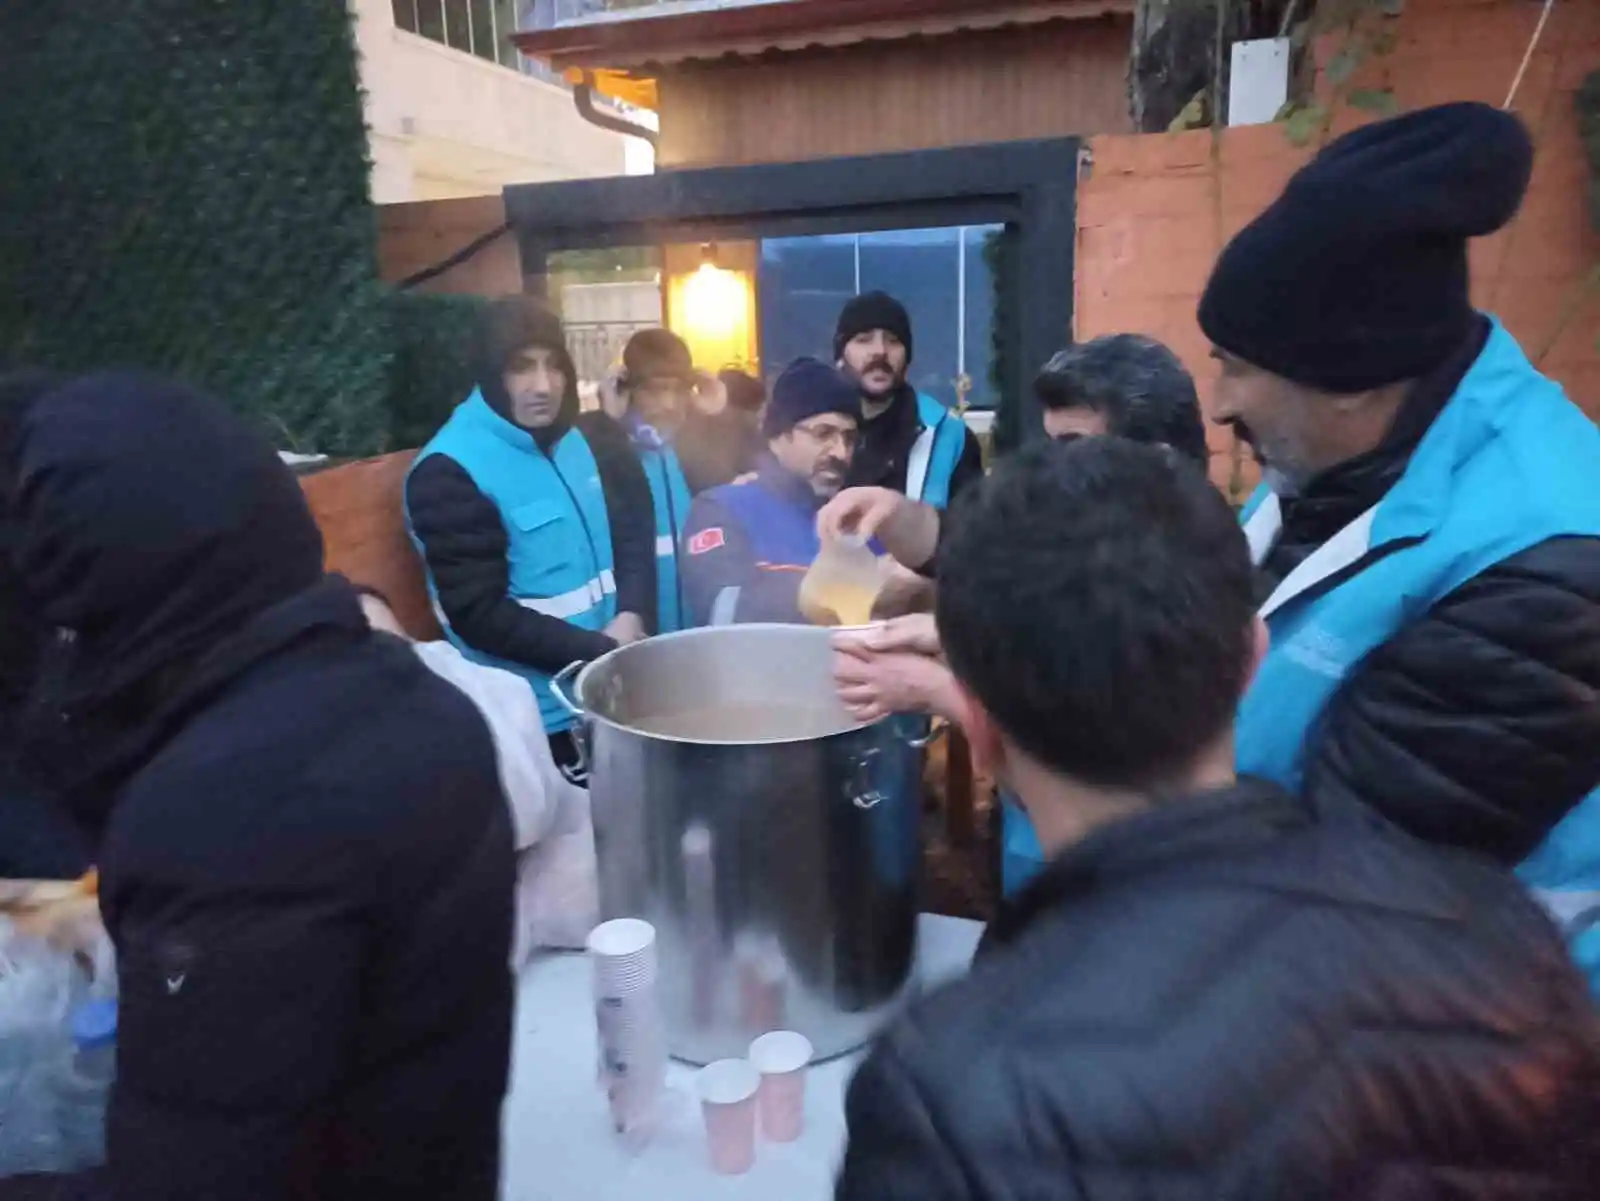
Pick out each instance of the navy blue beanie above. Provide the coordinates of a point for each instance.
(1356, 276)
(806, 389)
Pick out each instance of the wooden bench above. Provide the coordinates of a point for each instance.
(360, 509)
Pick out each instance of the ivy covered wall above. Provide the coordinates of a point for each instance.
(184, 188)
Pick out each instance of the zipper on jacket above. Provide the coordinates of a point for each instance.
(594, 555)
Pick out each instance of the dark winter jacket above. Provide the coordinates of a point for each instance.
(464, 539)
(883, 455)
(306, 860)
(37, 840)
(1477, 723)
(1224, 1000)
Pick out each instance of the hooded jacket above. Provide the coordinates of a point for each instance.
(466, 542)
(297, 822)
(37, 841)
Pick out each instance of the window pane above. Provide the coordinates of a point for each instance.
(980, 249)
(457, 24)
(483, 28)
(405, 15)
(430, 19)
(505, 16)
(802, 284)
(921, 269)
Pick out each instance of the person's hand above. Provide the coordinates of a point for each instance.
(903, 592)
(613, 396)
(625, 628)
(860, 512)
(710, 394)
(907, 529)
(913, 634)
(875, 686)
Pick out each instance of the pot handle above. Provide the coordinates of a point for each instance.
(578, 773)
(558, 689)
(935, 732)
(862, 787)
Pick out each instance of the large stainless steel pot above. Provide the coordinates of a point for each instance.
(775, 850)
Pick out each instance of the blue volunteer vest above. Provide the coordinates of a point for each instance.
(557, 529)
(932, 462)
(669, 492)
(1509, 463)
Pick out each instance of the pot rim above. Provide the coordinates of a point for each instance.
(585, 714)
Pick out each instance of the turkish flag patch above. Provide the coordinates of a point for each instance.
(706, 540)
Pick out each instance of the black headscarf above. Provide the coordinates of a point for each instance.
(21, 635)
(158, 535)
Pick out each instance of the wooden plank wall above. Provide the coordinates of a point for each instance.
(417, 235)
(1052, 80)
(359, 508)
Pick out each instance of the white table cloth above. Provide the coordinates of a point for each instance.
(559, 1143)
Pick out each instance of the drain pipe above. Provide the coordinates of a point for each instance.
(583, 97)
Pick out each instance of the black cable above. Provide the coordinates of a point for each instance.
(456, 259)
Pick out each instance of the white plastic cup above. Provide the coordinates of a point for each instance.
(623, 954)
(782, 1058)
(728, 1090)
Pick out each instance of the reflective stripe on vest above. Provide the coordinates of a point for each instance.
(573, 604)
(931, 463)
(1507, 464)
(558, 533)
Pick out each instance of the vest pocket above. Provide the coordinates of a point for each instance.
(546, 552)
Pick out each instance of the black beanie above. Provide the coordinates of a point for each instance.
(870, 311)
(806, 389)
(1356, 276)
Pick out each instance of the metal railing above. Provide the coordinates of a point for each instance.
(547, 14)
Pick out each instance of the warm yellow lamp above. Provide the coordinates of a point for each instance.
(711, 304)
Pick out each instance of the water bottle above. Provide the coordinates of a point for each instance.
(86, 1085)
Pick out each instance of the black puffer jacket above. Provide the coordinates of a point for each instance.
(1477, 724)
(37, 841)
(1224, 1000)
(306, 859)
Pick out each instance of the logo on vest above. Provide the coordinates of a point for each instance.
(1316, 650)
(706, 540)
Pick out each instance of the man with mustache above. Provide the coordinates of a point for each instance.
(1427, 543)
(746, 545)
(910, 442)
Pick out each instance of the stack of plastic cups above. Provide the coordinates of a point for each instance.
(633, 1057)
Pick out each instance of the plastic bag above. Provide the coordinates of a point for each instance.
(842, 585)
(39, 984)
(558, 895)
